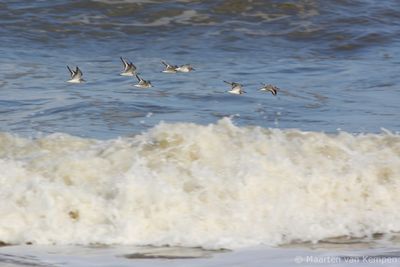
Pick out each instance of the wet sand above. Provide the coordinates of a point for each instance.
(332, 253)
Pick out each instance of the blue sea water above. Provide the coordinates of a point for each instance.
(336, 64)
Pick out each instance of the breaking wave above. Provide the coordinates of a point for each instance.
(185, 184)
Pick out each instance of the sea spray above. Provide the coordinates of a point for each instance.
(185, 184)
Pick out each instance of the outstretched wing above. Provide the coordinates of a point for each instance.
(126, 64)
(228, 83)
(131, 66)
(273, 89)
(78, 72)
(70, 71)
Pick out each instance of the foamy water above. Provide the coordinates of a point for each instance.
(215, 186)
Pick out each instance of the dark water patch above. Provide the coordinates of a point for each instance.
(362, 41)
(375, 240)
(21, 261)
(172, 253)
(20, 103)
(303, 20)
(216, 95)
(68, 108)
(146, 256)
(3, 244)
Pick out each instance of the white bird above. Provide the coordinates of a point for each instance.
(129, 68)
(269, 88)
(76, 75)
(185, 68)
(142, 83)
(236, 88)
(169, 68)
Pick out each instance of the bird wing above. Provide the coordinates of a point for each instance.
(236, 85)
(79, 72)
(132, 66)
(70, 71)
(125, 63)
(273, 89)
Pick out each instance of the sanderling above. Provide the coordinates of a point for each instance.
(269, 88)
(236, 88)
(76, 75)
(169, 68)
(185, 68)
(142, 83)
(129, 68)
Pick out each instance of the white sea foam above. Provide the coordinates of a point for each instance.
(190, 185)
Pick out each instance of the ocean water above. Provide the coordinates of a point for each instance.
(185, 164)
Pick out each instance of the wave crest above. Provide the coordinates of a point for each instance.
(190, 185)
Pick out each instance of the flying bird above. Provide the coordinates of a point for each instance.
(236, 88)
(76, 75)
(129, 68)
(142, 83)
(269, 88)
